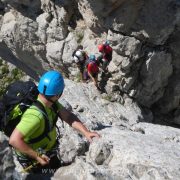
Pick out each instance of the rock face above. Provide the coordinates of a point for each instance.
(6, 159)
(96, 113)
(127, 149)
(41, 35)
(143, 152)
(142, 84)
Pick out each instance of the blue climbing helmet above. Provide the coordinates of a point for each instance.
(51, 83)
(92, 57)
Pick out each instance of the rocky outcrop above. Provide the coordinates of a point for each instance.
(41, 35)
(96, 113)
(6, 159)
(142, 84)
(143, 152)
(127, 149)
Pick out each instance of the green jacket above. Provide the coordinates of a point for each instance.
(32, 125)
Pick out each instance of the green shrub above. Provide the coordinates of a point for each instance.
(7, 77)
(4, 70)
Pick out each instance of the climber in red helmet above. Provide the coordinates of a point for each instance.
(106, 55)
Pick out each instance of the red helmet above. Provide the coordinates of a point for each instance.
(101, 48)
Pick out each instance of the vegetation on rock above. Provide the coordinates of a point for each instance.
(9, 74)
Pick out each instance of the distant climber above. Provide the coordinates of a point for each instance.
(106, 55)
(92, 70)
(80, 57)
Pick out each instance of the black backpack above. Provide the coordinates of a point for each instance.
(20, 96)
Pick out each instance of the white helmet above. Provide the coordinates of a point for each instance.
(76, 59)
(78, 56)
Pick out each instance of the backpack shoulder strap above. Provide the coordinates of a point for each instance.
(41, 108)
(55, 109)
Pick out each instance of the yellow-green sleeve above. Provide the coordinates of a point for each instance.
(29, 123)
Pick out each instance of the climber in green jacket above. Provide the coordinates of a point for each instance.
(44, 153)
